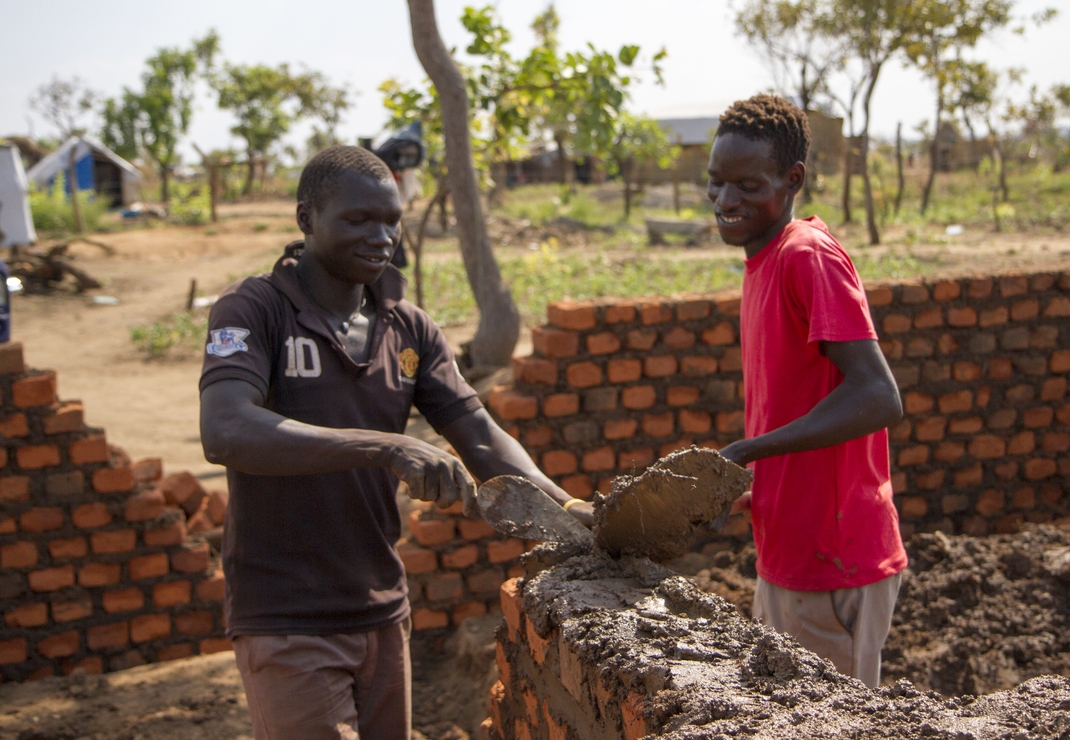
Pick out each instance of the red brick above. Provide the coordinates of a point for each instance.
(722, 334)
(1060, 361)
(559, 462)
(88, 450)
(509, 404)
(52, 579)
(148, 470)
(946, 290)
(732, 360)
(144, 506)
(468, 610)
(913, 455)
(66, 418)
(460, 558)
(694, 367)
(624, 371)
(987, 447)
(113, 541)
(194, 623)
(659, 366)
(679, 338)
(561, 404)
(930, 481)
(174, 652)
(966, 371)
(172, 534)
(172, 593)
(14, 425)
(1039, 468)
(1042, 282)
(11, 359)
(949, 451)
(113, 480)
(27, 615)
(901, 432)
(947, 344)
(148, 627)
(444, 587)
(879, 295)
(18, 555)
(917, 403)
(1039, 416)
(41, 519)
(729, 305)
(70, 610)
(512, 607)
(212, 588)
(670, 447)
(123, 600)
(1006, 470)
(635, 460)
(148, 566)
(1012, 285)
(578, 486)
(1025, 310)
(1054, 389)
(971, 476)
(191, 558)
(583, 375)
(930, 430)
(1058, 307)
(958, 401)
(416, 559)
(633, 711)
(430, 531)
(428, 619)
(100, 574)
(929, 318)
(620, 313)
(692, 310)
(61, 645)
(1056, 442)
(682, 395)
(913, 507)
(993, 317)
(642, 339)
(599, 459)
(896, 324)
(13, 651)
(216, 505)
(32, 457)
(620, 428)
(658, 425)
(487, 581)
(638, 397)
(1025, 497)
(88, 516)
(211, 645)
(14, 488)
(576, 315)
(604, 343)
(967, 425)
(729, 421)
(37, 390)
(960, 317)
(555, 342)
(654, 313)
(474, 529)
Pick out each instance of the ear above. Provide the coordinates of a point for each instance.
(304, 217)
(796, 178)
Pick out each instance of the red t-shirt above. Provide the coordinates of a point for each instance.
(823, 519)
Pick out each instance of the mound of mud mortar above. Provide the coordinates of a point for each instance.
(634, 641)
(977, 615)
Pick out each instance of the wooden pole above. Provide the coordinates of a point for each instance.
(72, 174)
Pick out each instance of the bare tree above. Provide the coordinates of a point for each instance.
(64, 103)
(499, 320)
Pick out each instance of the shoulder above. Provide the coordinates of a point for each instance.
(416, 319)
(246, 298)
(254, 286)
(809, 245)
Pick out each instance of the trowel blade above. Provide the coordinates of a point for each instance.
(517, 507)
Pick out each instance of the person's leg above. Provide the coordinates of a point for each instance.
(867, 612)
(809, 617)
(301, 687)
(384, 685)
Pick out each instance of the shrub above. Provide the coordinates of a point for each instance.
(52, 211)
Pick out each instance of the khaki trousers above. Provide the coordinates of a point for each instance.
(847, 627)
(337, 687)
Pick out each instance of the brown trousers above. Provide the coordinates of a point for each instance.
(847, 627)
(338, 687)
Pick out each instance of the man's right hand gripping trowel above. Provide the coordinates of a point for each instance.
(653, 515)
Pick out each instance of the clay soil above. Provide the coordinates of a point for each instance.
(150, 408)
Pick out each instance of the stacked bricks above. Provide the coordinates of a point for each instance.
(981, 363)
(96, 571)
(455, 566)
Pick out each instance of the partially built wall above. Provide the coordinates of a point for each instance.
(981, 363)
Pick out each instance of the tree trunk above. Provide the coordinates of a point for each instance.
(499, 320)
(1003, 188)
(251, 173)
(443, 213)
(564, 171)
(847, 183)
(898, 166)
(76, 207)
(933, 153)
(165, 185)
(871, 216)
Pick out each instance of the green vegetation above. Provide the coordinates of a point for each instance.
(52, 212)
(191, 204)
(180, 331)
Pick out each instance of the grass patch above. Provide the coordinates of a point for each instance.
(181, 331)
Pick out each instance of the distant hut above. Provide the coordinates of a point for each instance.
(693, 136)
(16, 224)
(97, 168)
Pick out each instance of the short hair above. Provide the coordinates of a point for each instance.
(774, 119)
(324, 169)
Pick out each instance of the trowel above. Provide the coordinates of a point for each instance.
(517, 507)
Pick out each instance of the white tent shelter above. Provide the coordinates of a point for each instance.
(97, 168)
(15, 220)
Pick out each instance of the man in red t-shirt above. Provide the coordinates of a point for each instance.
(819, 399)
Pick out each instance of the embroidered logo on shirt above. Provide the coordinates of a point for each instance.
(227, 341)
(410, 362)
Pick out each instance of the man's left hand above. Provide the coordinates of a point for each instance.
(583, 511)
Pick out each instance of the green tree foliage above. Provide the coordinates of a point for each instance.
(640, 142)
(64, 104)
(268, 100)
(153, 120)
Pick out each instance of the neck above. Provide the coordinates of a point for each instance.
(753, 248)
(340, 298)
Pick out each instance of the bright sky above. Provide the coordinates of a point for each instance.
(362, 43)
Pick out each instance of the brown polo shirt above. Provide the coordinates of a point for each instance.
(315, 554)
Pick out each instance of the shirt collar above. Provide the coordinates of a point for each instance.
(386, 292)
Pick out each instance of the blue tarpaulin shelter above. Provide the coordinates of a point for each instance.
(96, 168)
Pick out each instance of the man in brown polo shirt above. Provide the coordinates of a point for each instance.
(309, 375)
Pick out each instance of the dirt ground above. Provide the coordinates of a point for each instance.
(150, 407)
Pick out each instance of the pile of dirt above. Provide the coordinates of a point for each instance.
(976, 615)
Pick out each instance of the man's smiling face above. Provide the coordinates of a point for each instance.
(354, 232)
(751, 198)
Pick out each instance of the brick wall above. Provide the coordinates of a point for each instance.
(96, 568)
(982, 365)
